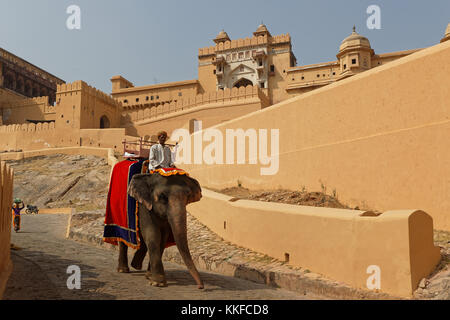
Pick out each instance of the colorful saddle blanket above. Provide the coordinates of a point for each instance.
(169, 171)
(121, 219)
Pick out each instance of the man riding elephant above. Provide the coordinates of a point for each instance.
(160, 154)
(146, 210)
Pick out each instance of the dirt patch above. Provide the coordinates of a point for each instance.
(301, 198)
(60, 181)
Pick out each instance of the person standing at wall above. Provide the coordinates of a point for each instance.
(16, 213)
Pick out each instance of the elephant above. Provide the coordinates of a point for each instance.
(161, 213)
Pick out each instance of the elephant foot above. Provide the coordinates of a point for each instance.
(156, 281)
(123, 270)
(158, 284)
(136, 265)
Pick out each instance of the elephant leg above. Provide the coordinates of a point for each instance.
(164, 237)
(162, 247)
(156, 275)
(139, 256)
(123, 259)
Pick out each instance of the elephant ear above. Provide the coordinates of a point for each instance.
(140, 188)
(195, 193)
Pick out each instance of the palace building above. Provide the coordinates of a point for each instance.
(235, 77)
(25, 79)
(263, 60)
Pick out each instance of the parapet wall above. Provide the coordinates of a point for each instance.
(27, 127)
(211, 109)
(344, 245)
(6, 199)
(106, 153)
(377, 138)
(244, 42)
(19, 109)
(221, 96)
(28, 136)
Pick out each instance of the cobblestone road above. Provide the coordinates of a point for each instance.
(41, 264)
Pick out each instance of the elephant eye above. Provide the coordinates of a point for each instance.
(163, 198)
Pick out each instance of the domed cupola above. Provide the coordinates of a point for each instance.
(221, 37)
(355, 54)
(261, 31)
(355, 41)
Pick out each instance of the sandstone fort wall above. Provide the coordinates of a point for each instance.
(212, 108)
(379, 139)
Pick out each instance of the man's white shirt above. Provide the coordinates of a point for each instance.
(161, 156)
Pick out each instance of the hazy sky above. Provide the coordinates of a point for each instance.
(151, 42)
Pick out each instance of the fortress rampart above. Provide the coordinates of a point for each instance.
(18, 109)
(68, 88)
(212, 108)
(28, 136)
(376, 138)
(141, 111)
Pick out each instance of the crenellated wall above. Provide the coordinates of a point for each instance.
(244, 42)
(142, 111)
(28, 136)
(6, 199)
(21, 110)
(67, 88)
(80, 106)
(211, 108)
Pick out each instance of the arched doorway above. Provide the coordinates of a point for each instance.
(104, 122)
(9, 81)
(20, 85)
(243, 83)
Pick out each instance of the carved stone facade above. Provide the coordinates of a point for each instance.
(26, 79)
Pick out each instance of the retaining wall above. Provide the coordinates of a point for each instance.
(106, 153)
(340, 244)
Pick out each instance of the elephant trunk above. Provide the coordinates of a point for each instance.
(177, 220)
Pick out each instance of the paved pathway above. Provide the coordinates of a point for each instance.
(41, 264)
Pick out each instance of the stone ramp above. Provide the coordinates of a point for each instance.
(40, 272)
(211, 253)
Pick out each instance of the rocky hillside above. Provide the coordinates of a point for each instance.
(60, 181)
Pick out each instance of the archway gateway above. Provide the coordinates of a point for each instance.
(104, 122)
(243, 83)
